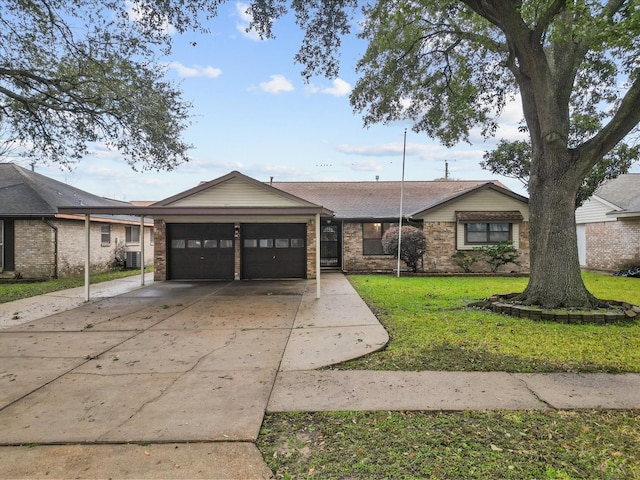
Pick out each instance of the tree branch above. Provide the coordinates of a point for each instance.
(626, 118)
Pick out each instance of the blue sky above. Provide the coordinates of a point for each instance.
(253, 112)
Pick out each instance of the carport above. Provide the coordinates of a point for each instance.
(232, 228)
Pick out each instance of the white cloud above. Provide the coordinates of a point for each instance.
(245, 20)
(365, 166)
(195, 71)
(340, 88)
(423, 151)
(277, 84)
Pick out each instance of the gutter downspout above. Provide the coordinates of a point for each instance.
(55, 245)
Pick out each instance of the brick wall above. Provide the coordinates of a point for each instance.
(311, 249)
(613, 246)
(36, 255)
(160, 251)
(441, 245)
(34, 249)
(355, 261)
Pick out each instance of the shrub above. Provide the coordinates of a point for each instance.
(499, 254)
(465, 260)
(413, 245)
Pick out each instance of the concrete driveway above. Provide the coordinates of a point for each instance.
(173, 362)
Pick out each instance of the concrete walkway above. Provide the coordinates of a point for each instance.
(172, 380)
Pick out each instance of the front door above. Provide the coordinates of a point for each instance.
(330, 235)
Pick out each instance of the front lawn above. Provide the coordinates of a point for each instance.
(431, 328)
(445, 445)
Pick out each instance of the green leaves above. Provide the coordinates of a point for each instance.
(85, 71)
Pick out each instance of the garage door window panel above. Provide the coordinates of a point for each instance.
(282, 243)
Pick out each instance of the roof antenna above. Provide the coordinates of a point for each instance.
(271, 180)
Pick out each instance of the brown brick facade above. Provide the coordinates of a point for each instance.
(441, 245)
(160, 251)
(311, 249)
(612, 246)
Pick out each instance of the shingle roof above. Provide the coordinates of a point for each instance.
(24, 193)
(623, 191)
(381, 199)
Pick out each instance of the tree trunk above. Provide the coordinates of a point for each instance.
(555, 280)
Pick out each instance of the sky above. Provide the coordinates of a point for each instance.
(254, 113)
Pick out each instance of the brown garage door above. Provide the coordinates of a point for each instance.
(274, 250)
(201, 251)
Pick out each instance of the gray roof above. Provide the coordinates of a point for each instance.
(382, 199)
(24, 193)
(622, 191)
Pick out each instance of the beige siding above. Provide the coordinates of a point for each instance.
(593, 211)
(237, 193)
(482, 201)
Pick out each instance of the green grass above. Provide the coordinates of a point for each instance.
(438, 445)
(431, 328)
(15, 291)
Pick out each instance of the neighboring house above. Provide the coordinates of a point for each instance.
(236, 227)
(608, 225)
(37, 241)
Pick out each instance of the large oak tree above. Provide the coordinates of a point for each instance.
(452, 65)
(73, 72)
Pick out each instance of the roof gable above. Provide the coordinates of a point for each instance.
(235, 190)
(622, 191)
(488, 186)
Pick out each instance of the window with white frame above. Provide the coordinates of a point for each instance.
(105, 234)
(132, 234)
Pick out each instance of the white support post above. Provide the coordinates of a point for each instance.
(142, 250)
(87, 258)
(317, 255)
